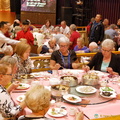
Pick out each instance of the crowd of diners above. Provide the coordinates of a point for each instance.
(64, 42)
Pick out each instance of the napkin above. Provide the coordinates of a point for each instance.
(84, 101)
(118, 97)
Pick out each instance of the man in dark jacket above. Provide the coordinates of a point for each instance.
(97, 30)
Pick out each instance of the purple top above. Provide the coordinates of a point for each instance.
(85, 49)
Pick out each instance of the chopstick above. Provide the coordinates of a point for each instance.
(18, 91)
(83, 62)
(84, 114)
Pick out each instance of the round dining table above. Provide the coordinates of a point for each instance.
(93, 105)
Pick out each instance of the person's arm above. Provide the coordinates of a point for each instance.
(79, 116)
(54, 65)
(45, 49)
(5, 39)
(13, 86)
(75, 64)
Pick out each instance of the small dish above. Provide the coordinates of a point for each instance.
(57, 112)
(20, 98)
(113, 95)
(72, 98)
(23, 86)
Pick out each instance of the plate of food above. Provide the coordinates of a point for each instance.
(107, 89)
(20, 98)
(23, 86)
(72, 98)
(86, 89)
(57, 112)
(109, 94)
(36, 74)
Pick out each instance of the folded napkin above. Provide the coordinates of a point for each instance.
(118, 97)
(84, 101)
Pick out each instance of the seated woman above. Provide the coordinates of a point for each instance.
(40, 105)
(80, 46)
(22, 52)
(105, 60)
(50, 46)
(7, 108)
(64, 58)
(13, 62)
(47, 27)
(38, 102)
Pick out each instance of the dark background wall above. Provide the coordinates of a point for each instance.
(80, 14)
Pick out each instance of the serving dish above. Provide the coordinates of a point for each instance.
(70, 80)
(86, 89)
(90, 79)
(59, 90)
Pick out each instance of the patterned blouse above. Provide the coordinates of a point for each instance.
(24, 66)
(7, 107)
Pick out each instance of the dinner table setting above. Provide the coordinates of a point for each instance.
(95, 93)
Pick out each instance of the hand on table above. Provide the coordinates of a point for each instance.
(85, 68)
(14, 85)
(57, 66)
(79, 116)
(111, 72)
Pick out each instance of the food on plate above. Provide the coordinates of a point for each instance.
(26, 76)
(91, 76)
(106, 93)
(56, 111)
(60, 87)
(23, 86)
(72, 98)
(86, 89)
(68, 78)
(90, 79)
(20, 98)
(107, 89)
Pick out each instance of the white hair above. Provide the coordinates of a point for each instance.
(63, 40)
(108, 43)
(93, 44)
(7, 50)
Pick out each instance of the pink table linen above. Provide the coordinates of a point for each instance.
(99, 110)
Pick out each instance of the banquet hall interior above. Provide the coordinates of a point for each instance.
(69, 50)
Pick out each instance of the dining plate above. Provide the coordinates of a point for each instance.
(72, 98)
(86, 89)
(23, 86)
(36, 74)
(20, 98)
(113, 95)
(107, 89)
(57, 112)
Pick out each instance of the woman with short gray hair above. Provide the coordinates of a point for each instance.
(64, 58)
(105, 60)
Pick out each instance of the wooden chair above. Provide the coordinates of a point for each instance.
(41, 63)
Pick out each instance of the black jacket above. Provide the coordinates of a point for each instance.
(96, 62)
(98, 33)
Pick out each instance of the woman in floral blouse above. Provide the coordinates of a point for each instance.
(22, 52)
(7, 107)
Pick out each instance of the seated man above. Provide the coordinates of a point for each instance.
(93, 47)
(50, 46)
(25, 33)
(58, 34)
(64, 29)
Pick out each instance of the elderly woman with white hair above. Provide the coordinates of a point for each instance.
(105, 60)
(64, 58)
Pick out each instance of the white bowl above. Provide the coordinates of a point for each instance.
(54, 81)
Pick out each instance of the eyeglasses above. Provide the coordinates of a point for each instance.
(7, 74)
(64, 46)
(106, 50)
